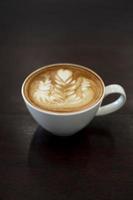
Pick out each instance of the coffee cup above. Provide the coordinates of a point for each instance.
(63, 98)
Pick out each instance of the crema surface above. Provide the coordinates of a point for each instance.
(63, 88)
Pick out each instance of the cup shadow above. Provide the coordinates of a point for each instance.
(90, 144)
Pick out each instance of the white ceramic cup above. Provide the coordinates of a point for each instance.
(65, 124)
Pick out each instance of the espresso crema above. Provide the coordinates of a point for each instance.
(63, 88)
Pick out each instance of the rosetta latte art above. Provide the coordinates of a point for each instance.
(63, 89)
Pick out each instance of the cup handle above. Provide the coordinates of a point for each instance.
(117, 104)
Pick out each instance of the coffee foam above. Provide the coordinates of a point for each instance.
(63, 88)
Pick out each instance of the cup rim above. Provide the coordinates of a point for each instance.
(61, 113)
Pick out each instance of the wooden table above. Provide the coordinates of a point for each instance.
(97, 163)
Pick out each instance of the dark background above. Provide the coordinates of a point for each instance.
(97, 163)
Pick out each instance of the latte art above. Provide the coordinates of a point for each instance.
(62, 89)
(65, 90)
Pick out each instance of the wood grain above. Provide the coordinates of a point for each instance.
(96, 163)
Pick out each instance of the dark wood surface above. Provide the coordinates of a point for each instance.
(97, 163)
